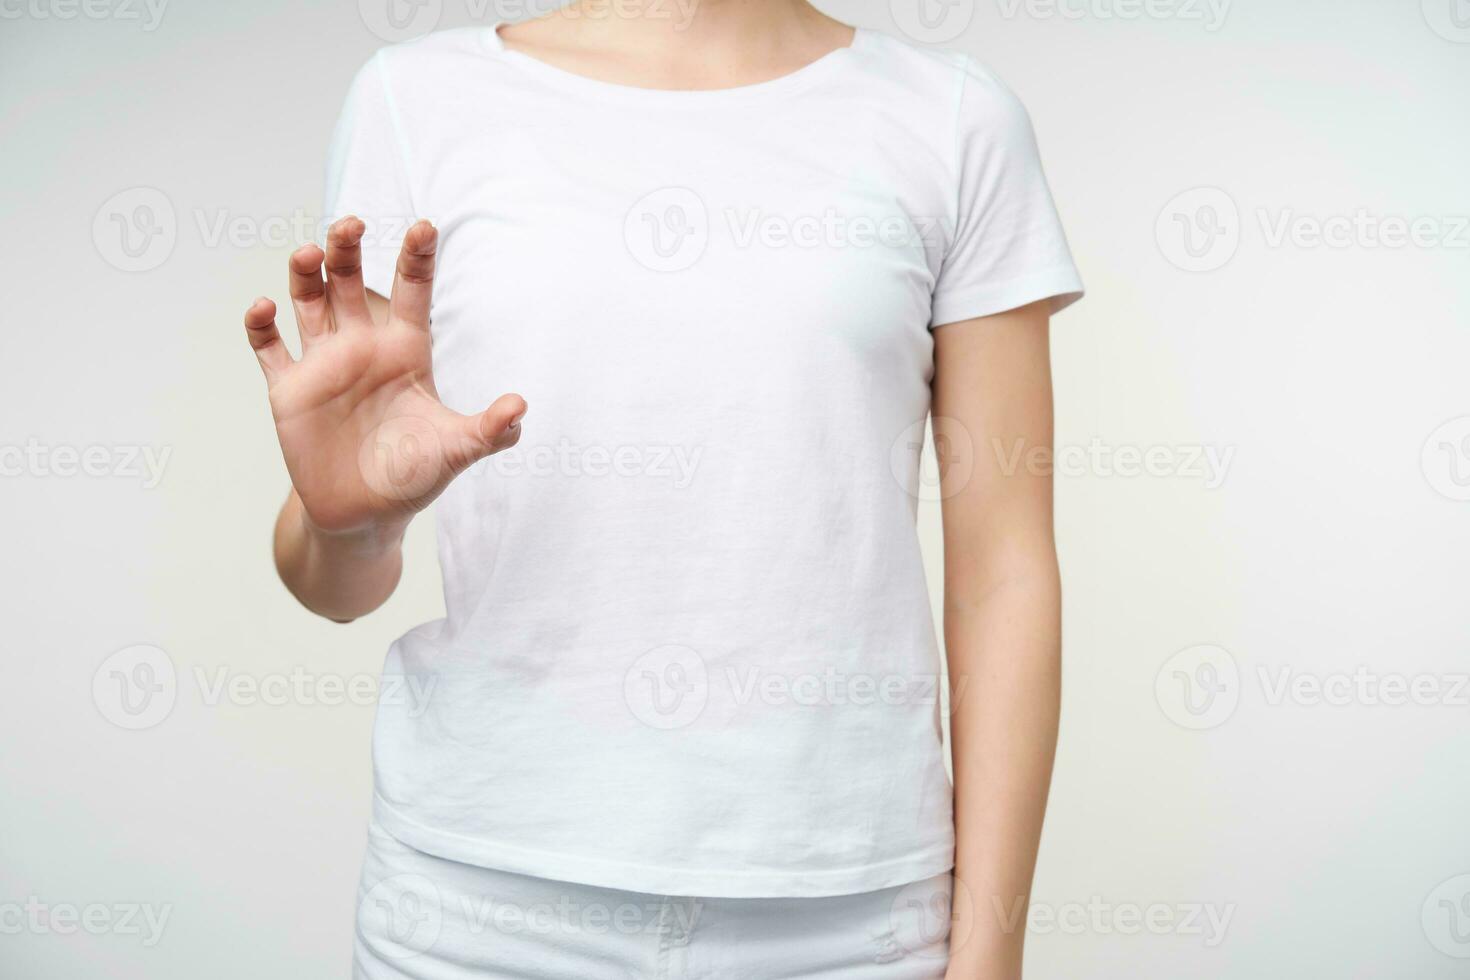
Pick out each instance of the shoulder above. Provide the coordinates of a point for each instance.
(965, 86)
(441, 52)
(413, 77)
(449, 43)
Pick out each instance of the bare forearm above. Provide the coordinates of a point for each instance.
(1005, 677)
(337, 575)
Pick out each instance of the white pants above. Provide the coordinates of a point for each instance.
(427, 918)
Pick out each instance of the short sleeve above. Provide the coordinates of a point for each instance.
(1007, 248)
(367, 174)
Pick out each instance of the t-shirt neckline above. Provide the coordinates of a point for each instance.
(571, 81)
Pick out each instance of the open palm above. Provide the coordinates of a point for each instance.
(366, 440)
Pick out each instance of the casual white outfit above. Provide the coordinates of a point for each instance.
(688, 647)
(426, 917)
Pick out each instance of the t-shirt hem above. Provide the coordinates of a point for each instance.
(651, 879)
(1062, 285)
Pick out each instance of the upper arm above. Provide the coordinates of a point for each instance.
(1005, 246)
(1006, 269)
(992, 410)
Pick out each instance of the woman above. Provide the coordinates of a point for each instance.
(680, 719)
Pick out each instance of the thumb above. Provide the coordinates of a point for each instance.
(497, 427)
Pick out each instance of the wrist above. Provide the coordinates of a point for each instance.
(987, 933)
(374, 539)
(338, 574)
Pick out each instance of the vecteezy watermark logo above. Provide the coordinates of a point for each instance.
(1207, 921)
(675, 465)
(667, 687)
(1202, 686)
(566, 915)
(1445, 917)
(1199, 230)
(1450, 19)
(402, 459)
(932, 21)
(298, 686)
(667, 230)
(1445, 459)
(1202, 229)
(135, 230)
(832, 228)
(1208, 464)
(145, 464)
(1362, 687)
(39, 918)
(1211, 13)
(1198, 687)
(148, 12)
(136, 687)
(931, 918)
(831, 686)
(400, 20)
(1363, 230)
(944, 474)
(407, 911)
(222, 228)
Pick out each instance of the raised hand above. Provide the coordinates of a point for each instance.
(367, 442)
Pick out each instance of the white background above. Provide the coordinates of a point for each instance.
(1330, 834)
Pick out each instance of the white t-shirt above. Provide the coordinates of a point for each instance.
(688, 647)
